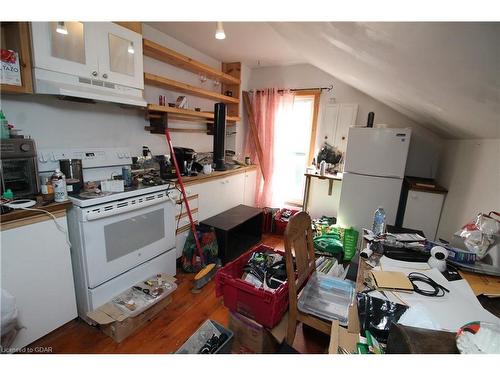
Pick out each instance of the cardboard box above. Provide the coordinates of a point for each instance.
(252, 337)
(345, 337)
(114, 323)
(119, 331)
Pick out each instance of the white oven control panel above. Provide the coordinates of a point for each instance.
(48, 160)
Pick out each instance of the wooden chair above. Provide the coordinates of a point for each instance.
(299, 240)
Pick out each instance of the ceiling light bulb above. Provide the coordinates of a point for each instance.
(61, 28)
(219, 32)
(131, 48)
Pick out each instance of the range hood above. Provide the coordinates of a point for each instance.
(66, 85)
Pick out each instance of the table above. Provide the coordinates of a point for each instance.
(236, 229)
(329, 177)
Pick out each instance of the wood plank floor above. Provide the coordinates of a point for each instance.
(171, 328)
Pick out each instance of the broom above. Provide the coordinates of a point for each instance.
(207, 272)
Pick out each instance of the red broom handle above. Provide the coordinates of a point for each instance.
(183, 191)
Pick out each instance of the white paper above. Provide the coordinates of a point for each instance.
(450, 312)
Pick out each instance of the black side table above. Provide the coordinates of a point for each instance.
(237, 229)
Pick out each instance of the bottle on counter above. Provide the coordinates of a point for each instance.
(322, 168)
(379, 221)
(47, 190)
(58, 180)
(4, 127)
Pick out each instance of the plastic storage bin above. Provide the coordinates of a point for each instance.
(203, 334)
(265, 307)
(327, 297)
(279, 223)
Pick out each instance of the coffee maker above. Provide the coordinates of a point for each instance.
(185, 159)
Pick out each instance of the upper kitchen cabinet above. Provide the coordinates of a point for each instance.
(121, 58)
(16, 58)
(65, 47)
(94, 60)
(337, 119)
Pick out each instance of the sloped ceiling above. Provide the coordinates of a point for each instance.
(445, 76)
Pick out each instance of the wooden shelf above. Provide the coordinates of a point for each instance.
(170, 84)
(161, 53)
(186, 114)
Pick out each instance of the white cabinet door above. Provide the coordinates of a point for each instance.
(335, 122)
(120, 55)
(36, 269)
(326, 131)
(423, 211)
(74, 52)
(235, 190)
(250, 186)
(211, 199)
(346, 118)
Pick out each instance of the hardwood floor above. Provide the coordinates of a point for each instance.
(171, 328)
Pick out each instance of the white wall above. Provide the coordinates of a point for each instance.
(55, 123)
(470, 170)
(423, 158)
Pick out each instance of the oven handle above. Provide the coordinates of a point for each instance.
(118, 211)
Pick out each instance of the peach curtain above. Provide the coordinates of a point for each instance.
(268, 105)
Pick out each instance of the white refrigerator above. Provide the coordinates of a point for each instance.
(374, 168)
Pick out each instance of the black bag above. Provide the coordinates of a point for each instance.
(376, 315)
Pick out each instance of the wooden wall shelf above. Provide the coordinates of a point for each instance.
(178, 113)
(170, 84)
(161, 53)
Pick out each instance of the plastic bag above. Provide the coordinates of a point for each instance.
(481, 234)
(376, 315)
(208, 242)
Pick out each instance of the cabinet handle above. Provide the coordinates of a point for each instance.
(104, 76)
(94, 73)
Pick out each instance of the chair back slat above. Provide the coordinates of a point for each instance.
(299, 241)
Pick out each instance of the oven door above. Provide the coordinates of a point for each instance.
(118, 236)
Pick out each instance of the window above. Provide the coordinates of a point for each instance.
(294, 137)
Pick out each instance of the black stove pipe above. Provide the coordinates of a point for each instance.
(369, 123)
(219, 136)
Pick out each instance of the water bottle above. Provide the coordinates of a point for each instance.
(379, 221)
(58, 180)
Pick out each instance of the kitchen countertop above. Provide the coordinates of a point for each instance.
(216, 175)
(424, 184)
(22, 217)
(327, 176)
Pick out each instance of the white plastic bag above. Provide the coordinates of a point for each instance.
(481, 234)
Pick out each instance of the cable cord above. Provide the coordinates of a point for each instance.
(59, 227)
(437, 289)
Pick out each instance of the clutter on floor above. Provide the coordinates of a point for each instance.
(133, 308)
(210, 338)
(264, 305)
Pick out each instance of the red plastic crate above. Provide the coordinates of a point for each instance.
(279, 224)
(265, 307)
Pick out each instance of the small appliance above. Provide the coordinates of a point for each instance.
(185, 159)
(18, 167)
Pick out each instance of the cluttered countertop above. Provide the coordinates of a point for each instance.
(217, 174)
(18, 214)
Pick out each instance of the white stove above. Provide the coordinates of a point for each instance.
(118, 239)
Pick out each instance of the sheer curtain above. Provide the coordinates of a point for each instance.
(270, 106)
